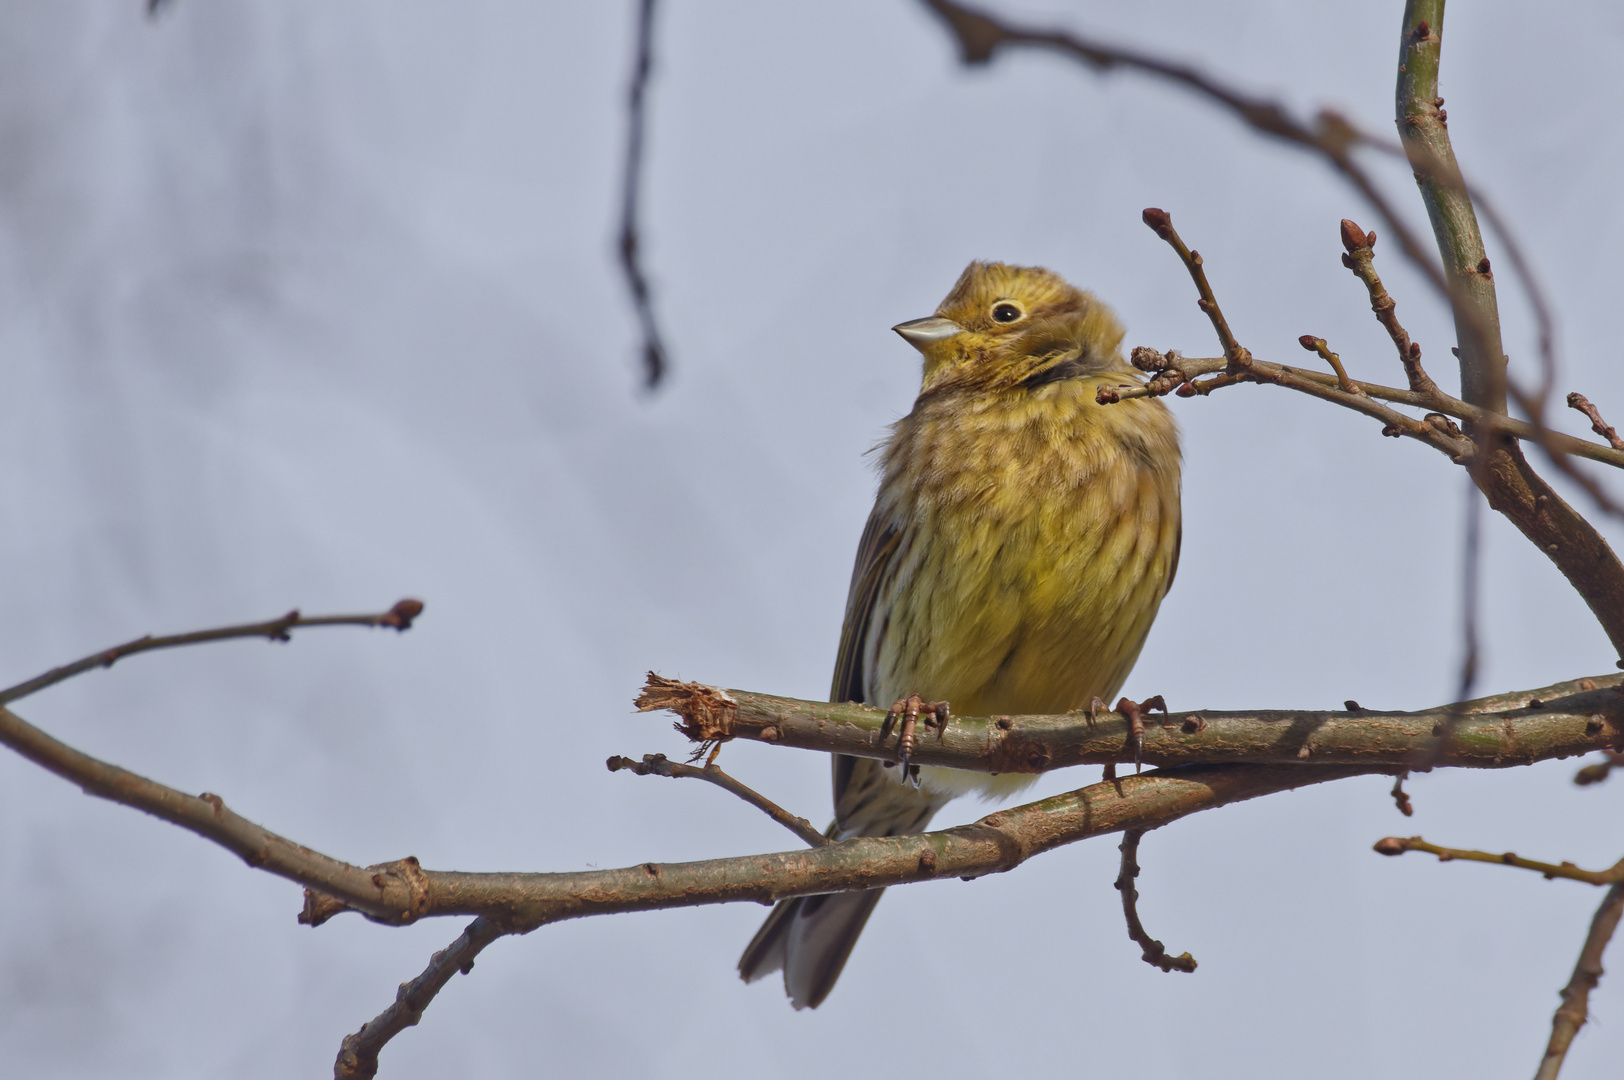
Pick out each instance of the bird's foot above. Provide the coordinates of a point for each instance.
(909, 710)
(1134, 712)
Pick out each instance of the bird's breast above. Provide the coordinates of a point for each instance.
(1036, 535)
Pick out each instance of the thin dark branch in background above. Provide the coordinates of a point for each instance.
(660, 765)
(358, 1056)
(1334, 138)
(1575, 1008)
(654, 355)
(1154, 952)
(1471, 580)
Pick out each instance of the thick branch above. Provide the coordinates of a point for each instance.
(1423, 132)
(385, 894)
(1575, 717)
(1001, 841)
(1575, 1008)
(1501, 472)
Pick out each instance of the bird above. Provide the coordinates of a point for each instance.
(1022, 539)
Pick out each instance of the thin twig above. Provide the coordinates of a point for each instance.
(1575, 1008)
(1398, 845)
(655, 363)
(398, 617)
(358, 1055)
(1170, 371)
(1401, 798)
(1597, 424)
(1317, 345)
(1235, 353)
(1359, 257)
(1154, 952)
(660, 765)
(1240, 365)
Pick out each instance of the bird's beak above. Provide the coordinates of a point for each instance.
(923, 333)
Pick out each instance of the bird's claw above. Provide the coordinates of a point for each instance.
(908, 711)
(1134, 713)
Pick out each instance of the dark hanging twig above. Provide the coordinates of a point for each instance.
(654, 355)
(1154, 952)
(1471, 576)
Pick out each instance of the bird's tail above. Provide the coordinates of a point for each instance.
(809, 938)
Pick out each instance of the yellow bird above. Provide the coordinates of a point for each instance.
(1021, 541)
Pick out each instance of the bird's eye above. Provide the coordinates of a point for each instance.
(1005, 312)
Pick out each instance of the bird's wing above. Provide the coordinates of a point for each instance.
(874, 554)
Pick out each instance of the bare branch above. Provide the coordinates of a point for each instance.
(1501, 471)
(1241, 366)
(660, 765)
(1234, 352)
(1597, 424)
(385, 894)
(1170, 371)
(1001, 841)
(1574, 717)
(1397, 845)
(655, 362)
(358, 1056)
(1317, 345)
(397, 618)
(1575, 1008)
(1154, 952)
(1359, 257)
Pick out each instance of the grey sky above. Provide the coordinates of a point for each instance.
(313, 304)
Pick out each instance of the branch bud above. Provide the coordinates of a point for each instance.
(1159, 220)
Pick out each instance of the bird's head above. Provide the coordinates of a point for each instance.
(1003, 327)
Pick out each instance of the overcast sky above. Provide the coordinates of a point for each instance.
(314, 304)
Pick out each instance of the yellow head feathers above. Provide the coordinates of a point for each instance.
(1003, 327)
